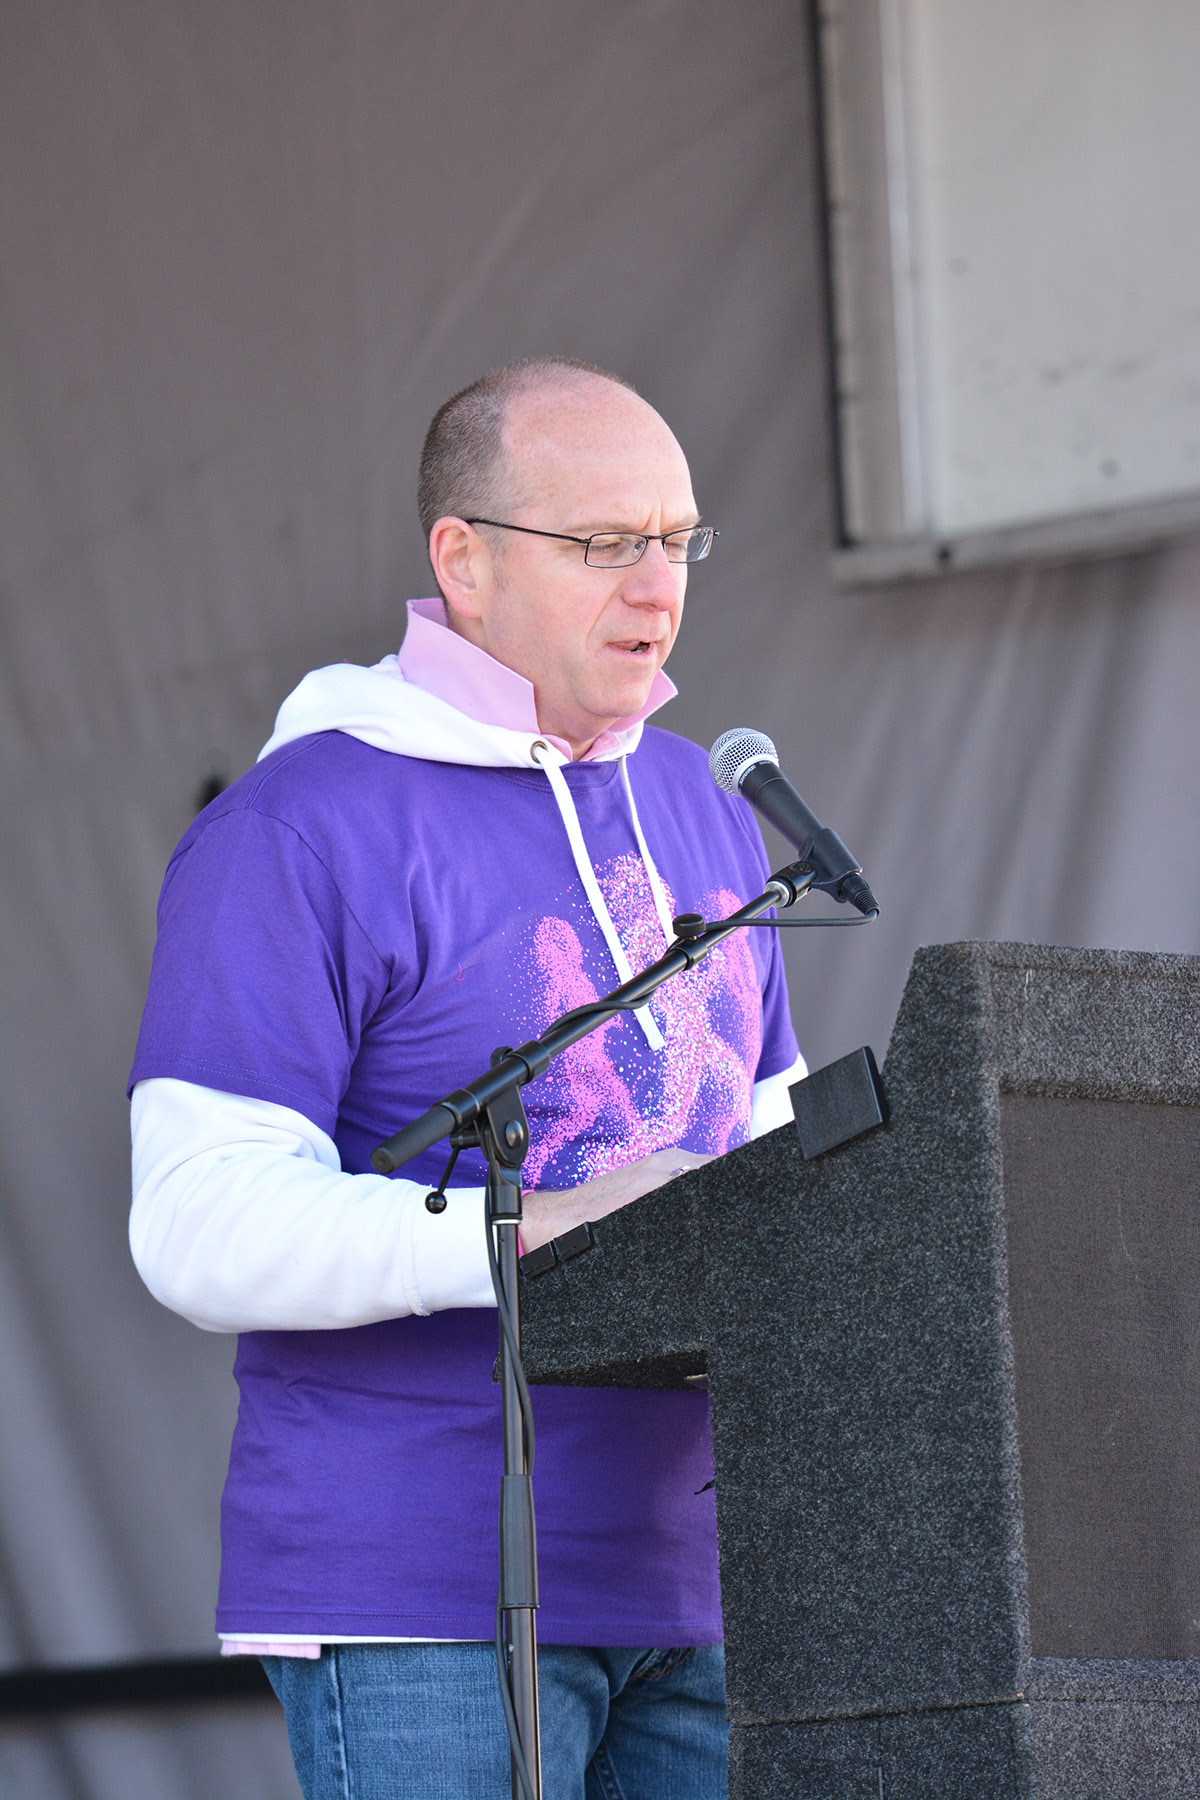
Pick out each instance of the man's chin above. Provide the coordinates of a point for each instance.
(629, 693)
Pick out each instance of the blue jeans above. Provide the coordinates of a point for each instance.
(424, 1722)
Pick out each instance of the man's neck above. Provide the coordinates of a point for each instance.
(445, 659)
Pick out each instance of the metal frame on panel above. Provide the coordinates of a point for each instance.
(868, 233)
(888, 510)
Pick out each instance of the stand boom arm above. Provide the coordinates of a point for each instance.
(464, 1106)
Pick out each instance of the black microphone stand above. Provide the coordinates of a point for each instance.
(488, 1113)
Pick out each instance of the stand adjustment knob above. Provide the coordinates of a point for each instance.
(688, 927)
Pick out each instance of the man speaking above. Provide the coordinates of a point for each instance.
(434, 856)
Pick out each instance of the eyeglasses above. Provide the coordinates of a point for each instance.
(618, 549)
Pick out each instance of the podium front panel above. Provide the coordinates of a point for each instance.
(1102, 1202)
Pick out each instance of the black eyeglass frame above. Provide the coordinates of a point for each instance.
(650, 537)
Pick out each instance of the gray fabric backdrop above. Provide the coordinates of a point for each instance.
(248, 249)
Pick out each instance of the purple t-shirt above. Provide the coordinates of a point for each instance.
(350, 932)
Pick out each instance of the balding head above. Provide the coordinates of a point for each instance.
(466, 471)
(560, 439)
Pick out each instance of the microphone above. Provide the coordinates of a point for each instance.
(746, 762)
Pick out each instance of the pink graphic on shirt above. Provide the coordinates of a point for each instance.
(582, 1093)
(611, 1097)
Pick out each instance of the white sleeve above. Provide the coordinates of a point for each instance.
(243, 1220)
(771, 1104)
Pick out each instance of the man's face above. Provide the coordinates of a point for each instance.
(591, 457)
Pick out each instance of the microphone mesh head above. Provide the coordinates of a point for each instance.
(736, 751)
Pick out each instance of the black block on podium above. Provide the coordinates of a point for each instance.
(955, 1377)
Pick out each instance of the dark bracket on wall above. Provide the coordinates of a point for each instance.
(160, 1681)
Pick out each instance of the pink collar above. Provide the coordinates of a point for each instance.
(437, 659)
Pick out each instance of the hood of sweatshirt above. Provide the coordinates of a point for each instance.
(443, 699)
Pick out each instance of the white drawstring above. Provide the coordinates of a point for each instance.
(655, 879)
(591, 886)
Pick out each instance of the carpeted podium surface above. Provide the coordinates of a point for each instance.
(954, 1366)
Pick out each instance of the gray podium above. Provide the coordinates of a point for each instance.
(955, 1378)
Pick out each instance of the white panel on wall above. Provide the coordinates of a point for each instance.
(1016, 273)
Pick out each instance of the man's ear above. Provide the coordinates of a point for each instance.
(462, 565)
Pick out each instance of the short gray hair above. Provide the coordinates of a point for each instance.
(462, 463)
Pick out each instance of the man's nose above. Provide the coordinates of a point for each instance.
(654, 580)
